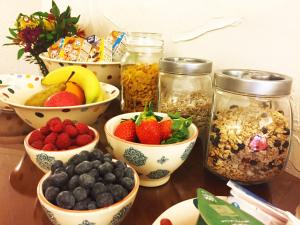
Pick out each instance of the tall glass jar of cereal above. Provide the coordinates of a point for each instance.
(250, 129)
(139, 71)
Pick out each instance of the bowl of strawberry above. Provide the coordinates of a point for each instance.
(154, 144)
(59, 140)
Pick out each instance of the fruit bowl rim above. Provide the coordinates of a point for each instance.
(44, 57)
(192, 137)
(43, 199)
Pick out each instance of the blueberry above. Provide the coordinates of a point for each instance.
(81, 205)
(119, 172)
(86, 180)
(128, 172)
(105, 168)
(56, 164)
(97, 154)
(51, 193)
(85, 155)
(107, 157)
(100, 179)
(60, 169)
(94, 173)
(76, 159)
(104, 199)
(80, 193)
(285, 144)
(65, 199)
(73, 182)
(120, 164)
(109, 178)
(59, 179)
(118, 192)
(70, 169)
(47, 183)
(83, 167)
(127, 183)
(92, 205)
(98, 188)
(96, 163)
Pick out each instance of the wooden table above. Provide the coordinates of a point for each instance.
(19, 177)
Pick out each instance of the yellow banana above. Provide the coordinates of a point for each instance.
(85, 78)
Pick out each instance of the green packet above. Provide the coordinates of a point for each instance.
(215, 211)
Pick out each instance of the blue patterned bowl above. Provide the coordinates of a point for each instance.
(44, 159)
(154, 163)
(111, 215)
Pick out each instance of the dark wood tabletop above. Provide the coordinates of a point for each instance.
(19, 178)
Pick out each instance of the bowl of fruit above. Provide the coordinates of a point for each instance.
(68, 92)
(98, 190)
(154, 144)
(59, 140)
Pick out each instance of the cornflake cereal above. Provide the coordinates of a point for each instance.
(139, 86)
(248, 144)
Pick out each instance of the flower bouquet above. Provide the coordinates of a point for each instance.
(36, 32)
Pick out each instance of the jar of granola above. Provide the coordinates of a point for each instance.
(139, 71)
(250, 129)
(185, 86)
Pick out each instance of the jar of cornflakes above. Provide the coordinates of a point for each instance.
(251, 125)
(139, 71)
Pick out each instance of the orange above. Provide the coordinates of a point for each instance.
(76, 90)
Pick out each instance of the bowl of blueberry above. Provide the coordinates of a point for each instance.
(91, 188)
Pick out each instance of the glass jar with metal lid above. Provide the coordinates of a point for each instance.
(250, 129)
(139, 71)
(185, 86)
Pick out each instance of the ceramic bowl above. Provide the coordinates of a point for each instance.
(36, 117)
(107, 72)
(111, 215)
(44, 159)
(154, 163)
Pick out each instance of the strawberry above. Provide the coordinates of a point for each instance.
(165, 129)
(147, 127)
(126, 130)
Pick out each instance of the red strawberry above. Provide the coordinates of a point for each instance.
(126, 130)
(63, 141)
(83, 139)
(165, 129)
(36, 135)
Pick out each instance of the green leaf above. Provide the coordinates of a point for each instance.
(41, 14)
(12, 32)
(175, 115)
(7, 44)
(20, 52)
(11, 38)
(49, 36)
(73, 20)
(55, 10)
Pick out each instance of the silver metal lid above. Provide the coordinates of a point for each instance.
(253, 82)
(185, 66)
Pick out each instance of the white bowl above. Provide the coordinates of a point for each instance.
(44, 159)
(111, 215)
(154, 163)
(107, 72)
(36, 117)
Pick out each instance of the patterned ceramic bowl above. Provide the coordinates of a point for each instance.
(111, 215)
(107, 72)
(154, 163)
(36, 117)
(44, 159)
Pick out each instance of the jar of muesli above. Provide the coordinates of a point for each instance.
(185, 86)
(139, 71)
(250, 129)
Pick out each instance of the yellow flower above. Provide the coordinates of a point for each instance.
(49, 24)
(25, 21)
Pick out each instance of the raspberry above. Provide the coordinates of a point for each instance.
(45, 130)
(83, 139)
(49, 147)
(36, 135)
(63, 141)
(67, 122)
(51, 138)
(71, 130)
(91, 133)
(55, 125)
(38, 144)
(82, 128)
(73, 141)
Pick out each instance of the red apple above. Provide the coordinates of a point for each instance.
(62, 98)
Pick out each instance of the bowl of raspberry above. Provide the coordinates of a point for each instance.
(59, 140)
(91, 188)
(154, 144)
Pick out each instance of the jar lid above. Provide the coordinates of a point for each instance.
(253, 82)
(145, 39)
(185, 66)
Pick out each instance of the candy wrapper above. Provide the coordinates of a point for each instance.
(101, 49)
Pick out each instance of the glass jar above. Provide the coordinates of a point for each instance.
(250, 129)
(139, 71)
(185, 86)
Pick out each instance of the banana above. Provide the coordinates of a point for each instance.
(85, 78)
